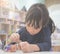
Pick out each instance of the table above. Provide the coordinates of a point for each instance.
(17, 52)
(20, 52)
(44, 53)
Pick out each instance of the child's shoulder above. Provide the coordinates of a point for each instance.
(23, 29)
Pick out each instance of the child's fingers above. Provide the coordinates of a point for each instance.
(24, 46)
(14, 37)
(13, 48)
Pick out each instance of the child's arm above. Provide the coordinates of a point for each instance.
(35, 48)
(26, 47)
(46, 44)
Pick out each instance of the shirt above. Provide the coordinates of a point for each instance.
(42, 39)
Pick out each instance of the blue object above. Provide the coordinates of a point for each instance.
(7, 48)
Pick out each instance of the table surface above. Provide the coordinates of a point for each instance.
(20, 52)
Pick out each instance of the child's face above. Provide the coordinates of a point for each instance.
(32, 30)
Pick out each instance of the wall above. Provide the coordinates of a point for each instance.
(51, 2)
(28, 3)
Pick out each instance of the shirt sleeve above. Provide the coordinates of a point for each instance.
(46, 45)
(22, 33)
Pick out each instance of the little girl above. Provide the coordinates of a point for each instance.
(36, 35)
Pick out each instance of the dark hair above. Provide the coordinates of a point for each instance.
(50, 21)
(38, 14)
(51, 25)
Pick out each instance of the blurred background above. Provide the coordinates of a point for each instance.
(12, 17)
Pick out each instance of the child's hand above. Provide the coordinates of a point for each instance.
(13, 38)
(25, 47)
(12, 48)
